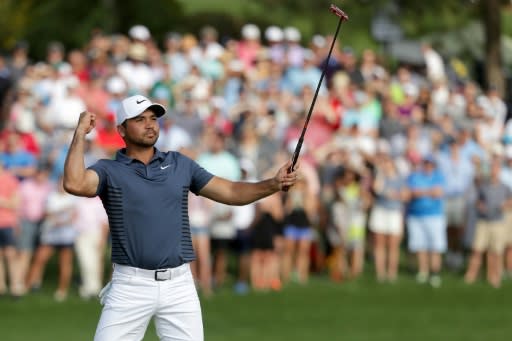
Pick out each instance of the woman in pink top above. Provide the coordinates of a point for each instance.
(8, 222)
(34, 192)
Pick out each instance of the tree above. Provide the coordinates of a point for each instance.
(450, 14)
(72, 22)
(491, 15)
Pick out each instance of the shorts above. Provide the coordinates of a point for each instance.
(508, 223)
(221, 244)
(427, 233)
(29, 234)
(243, 241)
(298, 233)
(386, 221)
(490, 236)
(455, 211)
(58, 236)
(7, 237)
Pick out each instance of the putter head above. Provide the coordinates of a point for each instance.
(338, 12)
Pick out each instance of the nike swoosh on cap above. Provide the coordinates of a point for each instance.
(139, 102)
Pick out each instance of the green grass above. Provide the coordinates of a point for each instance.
(321, 310)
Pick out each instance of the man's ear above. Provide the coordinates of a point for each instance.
(121, 130)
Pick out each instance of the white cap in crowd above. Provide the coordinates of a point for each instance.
(250, 32)
(139, 32)
(274, 34)
(292, 34)
(116, 85)
(318, 41)
(134, 106)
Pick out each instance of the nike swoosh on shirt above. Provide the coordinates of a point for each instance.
(164, 167)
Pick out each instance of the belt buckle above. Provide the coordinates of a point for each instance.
(158, 278)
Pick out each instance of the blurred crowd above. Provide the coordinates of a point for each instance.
(398, 161)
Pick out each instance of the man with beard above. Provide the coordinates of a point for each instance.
(145, 192)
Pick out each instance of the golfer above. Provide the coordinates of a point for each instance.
(144, 192)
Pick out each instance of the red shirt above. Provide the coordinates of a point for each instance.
(110, 140)
(9, 188)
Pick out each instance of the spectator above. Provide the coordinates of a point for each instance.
(9, 204)
(107, 137)
(434, 63)
(5, 81)
(386, 219)
(265, 263)
(34, 192)
(200, 222)
(491, 232)
(55, 54)
(243, 217)
(458, 173)
(219, 161)
(506, 178)
(172, 136)
(178, 64)
(17, 160)
(300, 208)
(248, 48)
(135, 70)
(91, 225)
(426, 223)
(20, 60)
(275, 36)
(58, 233)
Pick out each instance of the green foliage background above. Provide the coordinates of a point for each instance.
(72, 22)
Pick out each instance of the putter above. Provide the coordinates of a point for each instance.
(340, 14)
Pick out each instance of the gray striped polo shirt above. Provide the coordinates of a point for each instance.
(147, 207)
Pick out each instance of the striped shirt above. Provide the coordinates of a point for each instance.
(147, 207)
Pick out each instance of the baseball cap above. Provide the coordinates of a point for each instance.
(250, 32)
(429, 158)
(139, 32)
(274, 33)
(134, 106)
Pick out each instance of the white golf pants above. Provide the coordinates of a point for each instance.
(134, 296)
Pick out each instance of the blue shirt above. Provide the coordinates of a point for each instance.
(18, 159)
(391, 184)
(147, 207)
(425, 205)
(458, 174)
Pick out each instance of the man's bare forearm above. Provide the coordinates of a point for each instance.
(247, 192)
(238, 192)
(74, 167)
(243, 193)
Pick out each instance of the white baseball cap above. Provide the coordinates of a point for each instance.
(139, 32)
(134, 106)
(250, 32)
(274, 34)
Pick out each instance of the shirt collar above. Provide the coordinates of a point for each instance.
(122, 157)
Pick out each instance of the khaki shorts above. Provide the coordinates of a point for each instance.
(490, 236)
(508, 223)
(455, 209)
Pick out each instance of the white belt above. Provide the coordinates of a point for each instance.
(157, 275)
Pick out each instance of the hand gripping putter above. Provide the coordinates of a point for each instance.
(340, 14)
